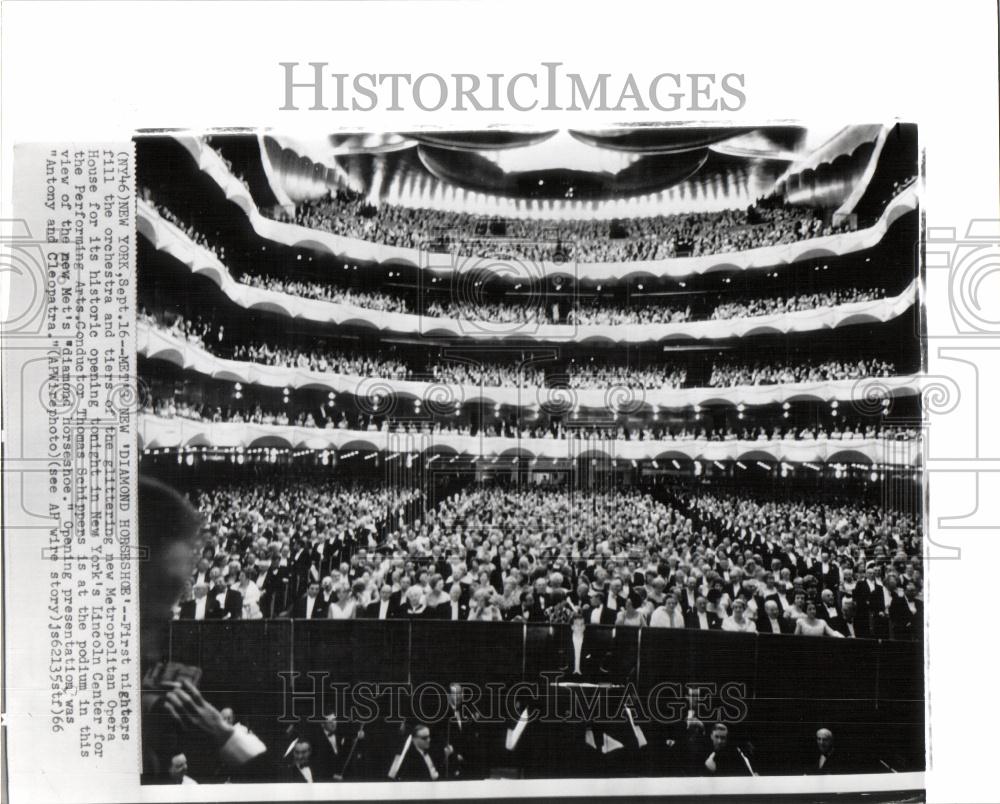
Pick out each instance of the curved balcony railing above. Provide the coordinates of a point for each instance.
(159, 344)
(768, 257)
(156, 432)
(167, 237)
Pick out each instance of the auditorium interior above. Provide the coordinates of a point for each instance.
(628, 420)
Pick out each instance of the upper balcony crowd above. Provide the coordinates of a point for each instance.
(765, 223)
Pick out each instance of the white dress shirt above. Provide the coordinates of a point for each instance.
(577, 652)
(200, 606)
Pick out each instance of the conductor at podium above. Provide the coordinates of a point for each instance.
(579, 658)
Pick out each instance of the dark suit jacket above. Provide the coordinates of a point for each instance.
(299, 563)
(868, 601)
(834, 621)
(727, 763)
(443, 611)
(211, 609)
(325, 562)
(275, 588)
(785, 626)
(836, 762)
(319, 611)
(294, 775)
(324, 762)
(691, 621)
(591, 656)
(370, 612)
(414, 767)
(233, 605)
(861, 628)
(532, 615)
(906, 624)
(607, 616)
(829, 579)
(685, 605)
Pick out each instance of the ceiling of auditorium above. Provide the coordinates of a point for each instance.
(559, 164)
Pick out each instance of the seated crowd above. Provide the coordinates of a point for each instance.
(370, 300)
(198, 332)
(791, 304)
(169, 406)
(597, 375)
(349, 214)
(325, 361)
(728, 374)
(586, 310)
(493, 553)
(497, 372)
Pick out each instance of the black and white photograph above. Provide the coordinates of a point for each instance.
(525, 453)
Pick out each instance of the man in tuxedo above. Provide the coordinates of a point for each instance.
(827, 759)
(310, 605)
(700, 618)
(851, 625)
(826, 571)
(453, 609)
(770, 620)
(299, 564)
(882, 619)
(827, 609)
(381, 609)
(230, 602)
(579, 659)
(300, 768)
(398, 598)
(331, 746)
(178, 770)
(528, 611)
(615, 600)
(724, 760)
(461, 735)
(906, 614)
(791, 558)
(202, 607)
(596, 613)
(417, 764)
(275, 588)
(322, 555)
(689, 597)
(201, 575)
